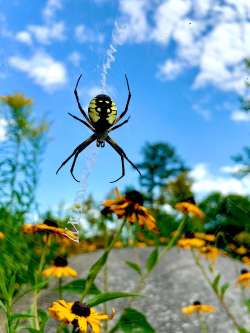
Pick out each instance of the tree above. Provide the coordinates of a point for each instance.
(244, 158)
(160, 164)
(20, 153)
(178, 189)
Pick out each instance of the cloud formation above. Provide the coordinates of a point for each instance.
(210, 35)
(51, 7)
(206, 182)
(3, 129)
(86, 35)
(240, 116)
(42, 68)
(43, 34)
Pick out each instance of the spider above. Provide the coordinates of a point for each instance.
(101, 120)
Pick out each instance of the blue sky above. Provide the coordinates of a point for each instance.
(184, 60)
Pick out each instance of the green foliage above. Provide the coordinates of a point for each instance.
(20, 154)
(243, 159)
(160, 163)
(134, 266)
(220, 289)
(77, 286)
(133, 321)
(152, 260)
(178, 189)
(108, 296)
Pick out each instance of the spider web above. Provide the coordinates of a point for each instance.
(77, 216)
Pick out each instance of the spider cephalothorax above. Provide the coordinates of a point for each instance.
(101, 120)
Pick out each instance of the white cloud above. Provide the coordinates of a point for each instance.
(75, 58)
(170, 69)
(45, 34)
(133, 24)
(51, 7)
(3, 129)
(85, 35)
(232, 168)
(240, 116)
(206, 182)
(42, 68)
(24, 37)
(210, 35)
(167, 17)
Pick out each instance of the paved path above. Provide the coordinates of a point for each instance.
(176, 282)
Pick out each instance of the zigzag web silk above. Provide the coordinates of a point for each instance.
(77, 213)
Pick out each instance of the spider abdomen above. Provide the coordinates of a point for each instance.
(102, 112)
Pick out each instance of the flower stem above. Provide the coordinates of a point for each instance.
(202, 323)
(60, 288)
(220, 299)
(98, 265)
(35, 292)
(105, 278)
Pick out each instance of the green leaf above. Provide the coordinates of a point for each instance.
(43, 318)
(3, 307)
(216, 282)
(77, 286)
(19, 316)
(223, 289)
(133, 321)
(152, 260)
(108, 296)
(247, 303)
(94, 270)
(243, 330)
(134, 266)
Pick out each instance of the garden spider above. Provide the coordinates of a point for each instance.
(101, 120)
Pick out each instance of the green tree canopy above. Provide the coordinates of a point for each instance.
(160, 164)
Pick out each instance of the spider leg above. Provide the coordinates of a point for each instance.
(127, 104)
(121, 152)
(122, 160)
(78, 101)
(82, 121)
(73, 166)
(78, 150)
(117, 126)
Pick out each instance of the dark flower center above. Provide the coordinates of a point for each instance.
(50, 223)
(135, 197)
(197, 303)
(106, 211)
(190, 200)
(60, 261)
(80, 309)
(189, 234)
(243, 271)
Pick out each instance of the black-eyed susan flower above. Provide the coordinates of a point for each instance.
(189, 207)
(246, 260)
(211, 253)
(80, 315)
(241, 250)
(206, 237)
(244, 278)
(130, 206)
(188, 243)
(16, 101)
(197, 307)
(48, 227)
(60, 268)
(2, 235)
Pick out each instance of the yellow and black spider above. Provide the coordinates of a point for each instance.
(101, 120)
